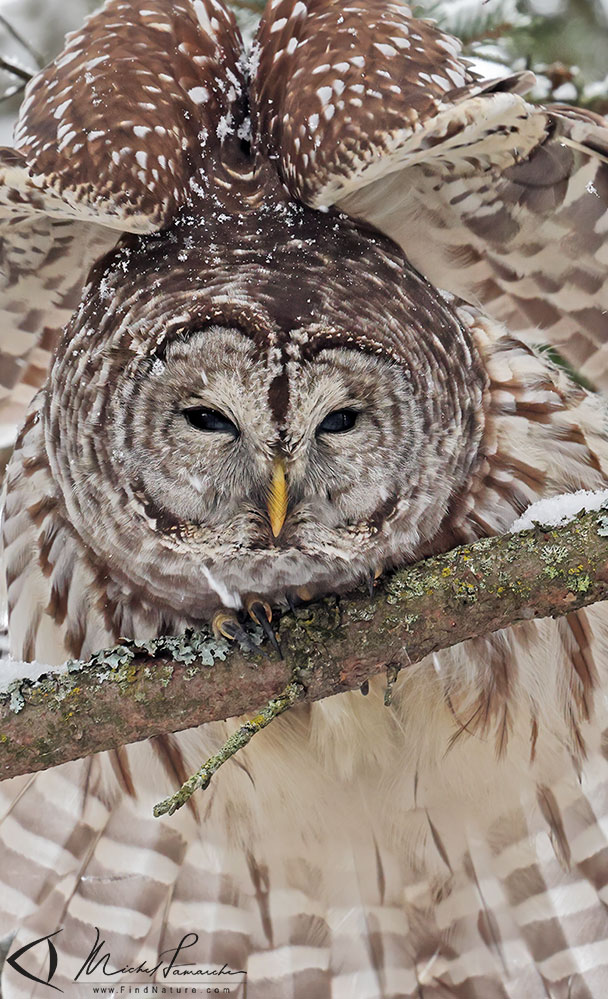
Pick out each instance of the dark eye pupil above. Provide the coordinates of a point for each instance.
(210, 420)
(338, 422)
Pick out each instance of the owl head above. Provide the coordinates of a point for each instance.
(257, 390)
(250, 402)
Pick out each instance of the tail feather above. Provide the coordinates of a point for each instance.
(342, 904)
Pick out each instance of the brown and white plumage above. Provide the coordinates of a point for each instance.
(455, 844)
(490, 197)
(83, 170)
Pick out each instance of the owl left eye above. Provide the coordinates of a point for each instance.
(210, 420)
(338, 422)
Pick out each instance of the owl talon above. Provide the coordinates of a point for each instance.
(304, 594)
(261, 612)
(372, 576)
(226, 624)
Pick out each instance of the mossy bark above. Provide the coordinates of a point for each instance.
(135, 691)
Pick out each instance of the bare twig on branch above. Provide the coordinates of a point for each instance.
(136, 691)
(25, 44)
(15, 69)
(276, 706)
(22, 74)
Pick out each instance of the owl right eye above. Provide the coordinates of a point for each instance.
(338, 422)
(210, 421)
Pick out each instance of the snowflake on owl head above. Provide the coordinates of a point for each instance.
(290, 305)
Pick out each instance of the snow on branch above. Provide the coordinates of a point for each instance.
(135, 691)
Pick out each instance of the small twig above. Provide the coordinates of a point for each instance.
(12, 31)
(201, 779)
(392, 672)
(10, 67)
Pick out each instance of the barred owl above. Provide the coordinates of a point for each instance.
(293, 306)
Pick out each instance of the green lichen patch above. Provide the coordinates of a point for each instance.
(119, 665)
(17, 700)
(199, 647)
(578, 579)
(554, 553)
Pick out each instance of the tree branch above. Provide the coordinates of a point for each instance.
(135, 691)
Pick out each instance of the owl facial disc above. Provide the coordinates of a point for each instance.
(271, 429)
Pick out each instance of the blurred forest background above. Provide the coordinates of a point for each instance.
(564, 41)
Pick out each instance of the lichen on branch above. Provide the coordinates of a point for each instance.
(138, 690)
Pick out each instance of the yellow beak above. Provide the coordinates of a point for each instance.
(277, 497)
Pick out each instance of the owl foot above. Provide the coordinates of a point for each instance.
(261, 612)
(226, 624)
(304, 594)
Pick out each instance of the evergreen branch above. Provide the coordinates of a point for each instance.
(255, 6)
(472, 21)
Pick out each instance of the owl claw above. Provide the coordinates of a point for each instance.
(226, 624)
(304, 594)
(261, 612)
(372, 576)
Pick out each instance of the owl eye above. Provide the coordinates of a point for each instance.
(338, 422)
(210, 420)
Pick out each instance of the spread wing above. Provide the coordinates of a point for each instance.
(494, 199)
(111, 138)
